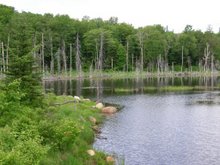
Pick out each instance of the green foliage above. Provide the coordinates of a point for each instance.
(60, 135)
(25, 29)
(21, 143)
(22, 69)
(53, 135)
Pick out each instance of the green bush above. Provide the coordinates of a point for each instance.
(20, 148)
(59, 134)
(66, 133)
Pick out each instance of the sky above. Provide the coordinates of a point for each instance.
(175, 14)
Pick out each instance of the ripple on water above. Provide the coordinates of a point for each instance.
(163, 129)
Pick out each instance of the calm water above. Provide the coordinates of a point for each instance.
(154, 128)
(163, 129)
(99, 89)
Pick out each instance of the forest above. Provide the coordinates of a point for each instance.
(61, 44)
(41, 128)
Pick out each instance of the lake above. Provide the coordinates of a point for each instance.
(154, 127)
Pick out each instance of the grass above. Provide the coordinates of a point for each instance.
(79, 112)
(131, 74)
(164, 89)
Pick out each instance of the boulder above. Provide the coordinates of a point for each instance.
(110, 159)
(109, 110)
(91, 152)
(77, 98)
(92, 119)
(99, 106)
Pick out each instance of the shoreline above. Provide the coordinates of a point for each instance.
(125, 75)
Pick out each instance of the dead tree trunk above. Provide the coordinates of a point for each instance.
(51, 56)
(63, 53)
(7, 53)
(100, 59)
(58, 61)
(97, 55)
(166, 66)
(182, 59)
(159, 65)
(206, 57)
(141, 44)
(91, 70)
(78, 61)
(71, 59)
(212, 64)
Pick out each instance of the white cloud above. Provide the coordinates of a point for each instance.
(174, 13)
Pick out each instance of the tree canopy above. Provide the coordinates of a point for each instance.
(122, 43)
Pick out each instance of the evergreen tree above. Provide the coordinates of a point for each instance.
(22, 65)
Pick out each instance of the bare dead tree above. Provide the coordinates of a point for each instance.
(206, 57)
(200, 66)
(71, 58)
(159, 64)
(7, 52)
(100, 59)
(57, 55)
(212, 64)
(51, 56)
(182, 59)
(91, 70)
(97, 54)
(78, 61)
(141, 44)
(63, 54)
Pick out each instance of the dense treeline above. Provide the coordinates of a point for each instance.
(62, 44)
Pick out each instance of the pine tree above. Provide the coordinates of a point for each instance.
(25, 70)
(22, 65)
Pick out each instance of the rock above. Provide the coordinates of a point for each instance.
(91, 152)
(86, 100)
(110, 159)
(99, 106)
(109, 110)
(92, 119)
(77, 98)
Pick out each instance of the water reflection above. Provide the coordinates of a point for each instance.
(98, 88)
